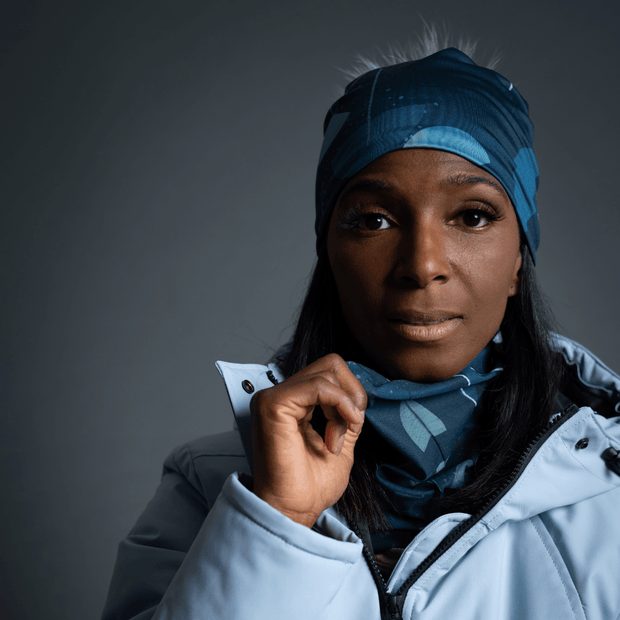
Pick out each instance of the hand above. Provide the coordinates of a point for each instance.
(294, 470)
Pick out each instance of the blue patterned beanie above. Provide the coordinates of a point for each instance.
(444, 101)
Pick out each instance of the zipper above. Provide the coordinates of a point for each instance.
(392, 603)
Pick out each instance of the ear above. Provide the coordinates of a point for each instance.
(515, 280)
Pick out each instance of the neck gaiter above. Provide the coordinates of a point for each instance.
(426, 433)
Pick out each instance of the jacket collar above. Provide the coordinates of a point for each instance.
(559, 474)
(242, 382)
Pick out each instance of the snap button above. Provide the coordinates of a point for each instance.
(582, 443)
(247, 386)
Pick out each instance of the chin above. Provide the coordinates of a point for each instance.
(425, 365)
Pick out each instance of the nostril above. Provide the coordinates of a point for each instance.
(424, 275)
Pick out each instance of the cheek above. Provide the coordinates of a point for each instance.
(491, 292)
(360, 268)
(359, 274)
(354, 284)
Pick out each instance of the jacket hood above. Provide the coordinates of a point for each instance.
(567, 468)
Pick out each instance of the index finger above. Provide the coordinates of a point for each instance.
(347, 380)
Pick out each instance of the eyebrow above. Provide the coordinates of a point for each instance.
(465, 178)
(364, 184)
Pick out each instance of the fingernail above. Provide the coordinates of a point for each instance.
(339, 446)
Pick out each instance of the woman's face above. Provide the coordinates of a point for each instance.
(424, 248)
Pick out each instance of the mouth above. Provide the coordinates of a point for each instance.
(425, 326)
(414, 317)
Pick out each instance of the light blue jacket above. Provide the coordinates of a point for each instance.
(547, 548)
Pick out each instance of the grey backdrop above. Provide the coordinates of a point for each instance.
(157, 206)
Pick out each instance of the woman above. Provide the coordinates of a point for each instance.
(425, 448)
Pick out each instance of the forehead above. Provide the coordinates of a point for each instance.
(418, 168)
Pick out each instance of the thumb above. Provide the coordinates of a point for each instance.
(336, 431)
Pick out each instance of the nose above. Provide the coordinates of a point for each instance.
(422, 258)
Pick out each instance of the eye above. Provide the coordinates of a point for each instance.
(373, 221)
(476, 218)
(362, 218)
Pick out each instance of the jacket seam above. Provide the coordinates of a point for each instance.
(611, 439)
(533, 466)
(587, 353)
(589, 384)
(447, 557)
(192, 473)
(530, 468)
(250, 518)
(558, 436)
(557, 570)
(413, 547)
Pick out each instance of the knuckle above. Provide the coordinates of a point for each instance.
(325, 381)
(335, 361)
(333, 358)
(259, 400)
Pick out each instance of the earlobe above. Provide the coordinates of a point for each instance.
(515, 280)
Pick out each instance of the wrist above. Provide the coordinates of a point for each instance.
(307, 519)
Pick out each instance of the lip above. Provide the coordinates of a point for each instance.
(418, 317)
(424, 326)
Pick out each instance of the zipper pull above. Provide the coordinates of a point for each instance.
(611, 456)
(395, 604)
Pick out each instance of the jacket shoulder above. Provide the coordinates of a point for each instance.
(207, 461)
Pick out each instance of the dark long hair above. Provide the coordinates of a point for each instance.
(517, 405)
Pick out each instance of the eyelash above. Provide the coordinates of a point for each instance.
(354, 215)
(489, 214)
